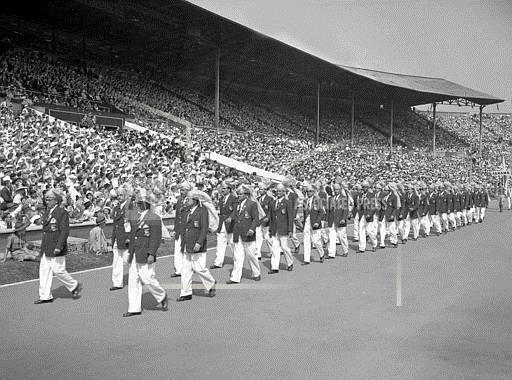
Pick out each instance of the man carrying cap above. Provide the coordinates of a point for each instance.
(194, 231)
(227, 210)
(54, 249)
(246, 220)
(123, 214)
(144, 241)
(262, 231)
(181, 208)
(313, 216)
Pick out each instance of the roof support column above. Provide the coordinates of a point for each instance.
(391, 128)
(434, 138)
(480, 145)
(317, 138)
(217, 88)
(352, 121)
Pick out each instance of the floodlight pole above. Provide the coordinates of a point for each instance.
(352, 120)
(391, 129)
(434, 138)
(317, 139)
(480, 148)
(217, 88)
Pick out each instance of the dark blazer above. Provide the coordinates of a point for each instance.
(338, 211)
(316, 212)
(367, 206)
(119, 217)
(456, 202)
(55, 232)
(413, 202)
(443, 202)
(450, 202)
(478, 199)
(281, 217)
(391, 211)
(404, 210)
(423, 205)
(293, 198)
(227, 210)
(180, 217)
(265, 202)
(145, 238)
(246, 218)
(195, 230)
(432, 203)
(355, 197)
(485, 199)
(380, 205)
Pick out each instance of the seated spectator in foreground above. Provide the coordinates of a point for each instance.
(97, 241)
(17, 246)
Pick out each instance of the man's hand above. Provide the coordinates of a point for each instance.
(315, 225)
(290, 234)
(151, 259)
(197, 247)
(227, 220)
(56, 251)
(250, 233)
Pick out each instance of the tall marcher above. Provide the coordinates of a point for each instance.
(181, 208)
(227, 210)
(281, 217)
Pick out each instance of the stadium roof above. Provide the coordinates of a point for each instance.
(175, 38)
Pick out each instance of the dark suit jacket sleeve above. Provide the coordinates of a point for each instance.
(255, 216)
(271, 216)
(63, 229)
(290, 210)
(234, 204)
(155, 226)
(204, 226)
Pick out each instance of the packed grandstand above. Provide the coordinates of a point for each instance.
(271, 130)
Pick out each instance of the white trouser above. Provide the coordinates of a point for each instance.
(458, 218)
(280, 243)
(415, 223)
(464, 216)
(311, 237)
(393, 232)
(509, 202)
(382, 232)
(138, 275)
(119, 257)
(193, 263)
(400, 226)
(48, 267)
(425, 224)
(407, 228)
(324, 232)
(451, 219)
(262, 235)
(242, 250)
(477, 214)
(178, 255)
(294, 239)
(482, 213)
(367, 228)
(444, 220)
(337, 233)
(356, 227)
(436, 222)
(223, 240)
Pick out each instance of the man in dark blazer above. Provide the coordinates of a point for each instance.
(337, 220)
(181, 211)
(423, 210)
(443, 202)
(413, 204)
(193, 246)
(123, 215)
(280, 229)
(313, 215)
(356, 196)
(244, 236)
(227, 209)
(54, 249)
(144, 241)
(433, 213)
(391, 211)
(293, 198)
(368, 218)
(262, 231)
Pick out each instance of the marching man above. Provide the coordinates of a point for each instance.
(145, 237)
(227, 207)
(337, 221)
(54, 249)
(262, 231)
(181, 208)
(281, 228)
(313, 216)
(193, 246)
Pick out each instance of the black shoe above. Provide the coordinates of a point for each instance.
(165, 303)
(113, 288)
(175, 275)
(322, 259)
(290, 268)
(414, 239)
(305, 263)
(215, 267)
(257, 278)
(259, 258)
(231, 282)
(374, 249)
(395, 245)
(360, 251)
(38, 302)
(128, 314)
(184, 298)
(273, 271)
(329, 258)
(382, 246)
(213, 290)
(344, 255)
(76, 292)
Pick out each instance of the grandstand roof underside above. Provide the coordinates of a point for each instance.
(176, 37)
